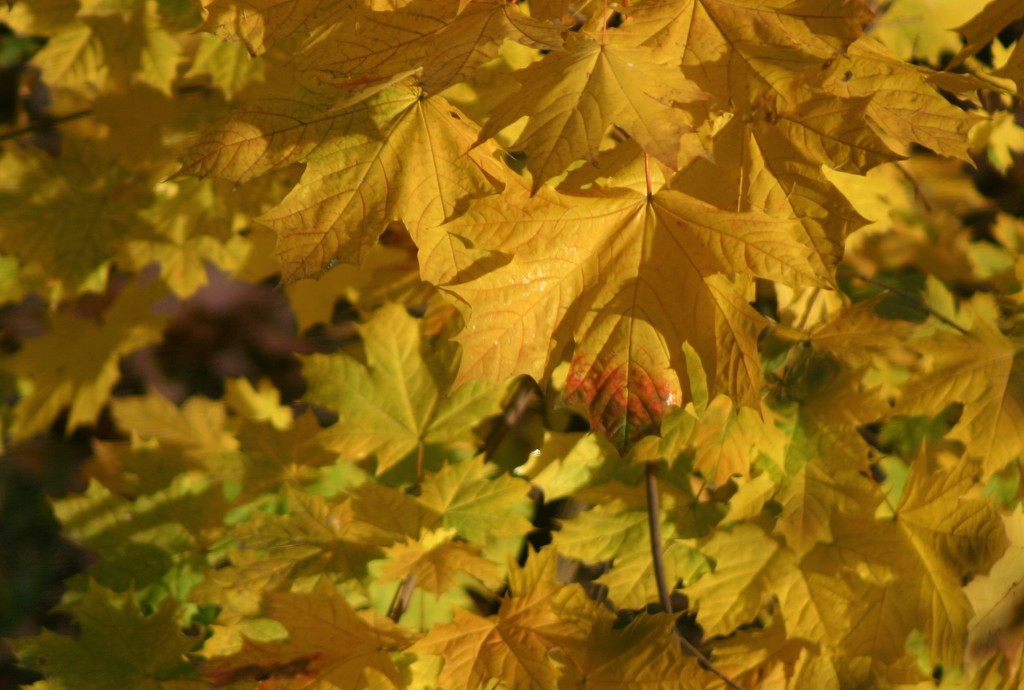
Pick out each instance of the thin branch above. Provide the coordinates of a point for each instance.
(918, 192)
(49, 123)
(807, 310)
(654, 530)
(402, 598)
(896, 290)
(512, 415)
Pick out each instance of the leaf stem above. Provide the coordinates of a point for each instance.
(604, 23)
(896, 290)
(403, 595)
(664, 596)
(647, 174)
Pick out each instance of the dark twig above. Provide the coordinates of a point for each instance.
(402, 598)
(654, 530)
(513, 413)
(918, 192)
(44, 125)
(49, 122)
(896, 290)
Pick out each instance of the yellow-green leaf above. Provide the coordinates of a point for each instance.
(398, 402)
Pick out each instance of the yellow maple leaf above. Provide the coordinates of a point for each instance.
(468, 497)
(198, 424)
(387, 274)
(921, 28)
(329, 644)
(414, 153)
(443, 40)
(985, 26)
(70, 212)
(82, 376)
(148, 654)
(261, 23)
(230, 66)
(1012, 66)
(727, 441)
(906, 572)
(741, 53)
(584, 90)
(750, 569)
(592, 269)
(435, 560)
(632, 581)
(395, 403)
(514, 646)
(99, 48)
(268, 458)
(756, 168)
(643, 654)
(984, 371)
(903, 104)
(997, 599)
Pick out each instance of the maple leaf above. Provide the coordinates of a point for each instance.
(185, 242)
(738, 52)
(149, 544)
(198, 424)
(102, 48)
(395, 403)
(985, 372)
(902, 103)
(921, 28)
(643, 654)
(69, 212)
(270, 458)
(261, 23)
(985, 26)
(1013, 66)
(751, 567)
(514, 645)
(809, 497)
(230, 66)
(726, 441)
(586, 89)
(329, 644)
(481, 507)
(996, 599)
(341, 537)
(82, 377)
(445, 40)
(909, 569)
(387, 143)
(435, 560)
(758, 169)
(116, 640)
(592, 273)
(565, 463)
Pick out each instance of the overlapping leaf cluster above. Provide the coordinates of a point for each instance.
(743, 239)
